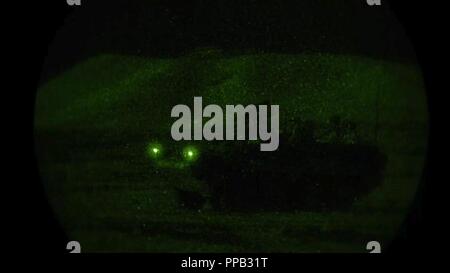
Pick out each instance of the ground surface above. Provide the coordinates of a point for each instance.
(94, 122)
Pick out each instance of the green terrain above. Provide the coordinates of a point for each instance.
(94, 122)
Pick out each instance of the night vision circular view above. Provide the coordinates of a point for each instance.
(346, 158)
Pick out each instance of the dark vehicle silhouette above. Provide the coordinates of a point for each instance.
(302, 174)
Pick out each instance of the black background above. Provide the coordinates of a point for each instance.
(41, 233)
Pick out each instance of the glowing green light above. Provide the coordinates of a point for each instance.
(190, 153)
(154, 150)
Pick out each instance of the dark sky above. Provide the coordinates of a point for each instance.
(171, 28)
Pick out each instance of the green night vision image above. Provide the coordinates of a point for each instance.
(353, 127)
